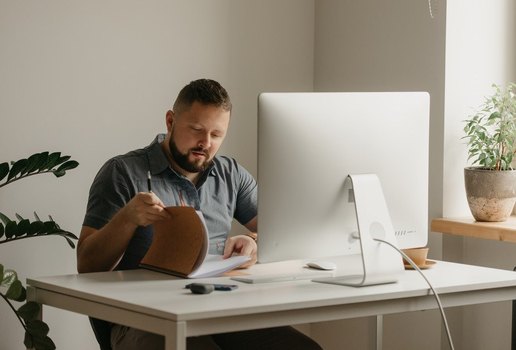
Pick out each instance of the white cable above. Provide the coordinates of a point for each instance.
(450, 341)
(430, 9)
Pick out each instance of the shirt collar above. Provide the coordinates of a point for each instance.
(158, 161)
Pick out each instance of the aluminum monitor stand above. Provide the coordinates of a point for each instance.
(380, 263)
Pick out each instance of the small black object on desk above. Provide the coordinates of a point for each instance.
(200, 288)
(206, 288)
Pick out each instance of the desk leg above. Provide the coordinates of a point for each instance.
(31, 297)
(513, 332)
(175, 337)
(379, 332)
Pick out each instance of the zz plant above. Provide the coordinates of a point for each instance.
(11, 288)
(491, 132)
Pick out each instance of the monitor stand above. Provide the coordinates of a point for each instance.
(380, 263)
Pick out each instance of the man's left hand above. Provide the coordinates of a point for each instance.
(241, 245)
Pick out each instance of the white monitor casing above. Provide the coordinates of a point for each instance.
(308, 143)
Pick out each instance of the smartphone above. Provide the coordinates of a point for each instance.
(224, 287)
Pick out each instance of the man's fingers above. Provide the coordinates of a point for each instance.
(241, 245)
(150, 198)
(146, 208)
(248, 250)
(228, 248)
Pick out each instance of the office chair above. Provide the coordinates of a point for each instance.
(102, 330)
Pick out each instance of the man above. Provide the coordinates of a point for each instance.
(117, 228)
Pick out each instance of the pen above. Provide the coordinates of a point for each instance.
(149, 181)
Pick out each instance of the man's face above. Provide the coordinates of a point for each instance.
(196, 135)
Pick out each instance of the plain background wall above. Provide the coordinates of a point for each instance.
(95, 78)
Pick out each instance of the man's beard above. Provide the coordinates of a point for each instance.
(182, 161)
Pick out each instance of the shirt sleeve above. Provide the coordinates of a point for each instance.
(109, 192)
(247, 196)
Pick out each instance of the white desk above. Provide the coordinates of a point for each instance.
(159, 303)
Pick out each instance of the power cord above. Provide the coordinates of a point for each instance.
(441, 309)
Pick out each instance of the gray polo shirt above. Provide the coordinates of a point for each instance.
(225, 191)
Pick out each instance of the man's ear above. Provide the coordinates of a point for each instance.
(170, 119)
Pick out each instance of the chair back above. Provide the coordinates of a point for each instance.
(102, 330)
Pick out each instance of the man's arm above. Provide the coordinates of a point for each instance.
(252, 225)
(101, 250)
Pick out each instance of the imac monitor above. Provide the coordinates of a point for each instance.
(308, 143)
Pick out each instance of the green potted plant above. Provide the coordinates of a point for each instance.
(11, 288)
(491, 136)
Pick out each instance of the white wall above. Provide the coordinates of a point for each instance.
(389, 45)
(94, 79)
(480, 50)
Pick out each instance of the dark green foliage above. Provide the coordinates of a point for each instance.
(25, 229)
(37, 163)
(36, 331)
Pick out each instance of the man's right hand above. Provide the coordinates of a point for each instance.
(144, 209)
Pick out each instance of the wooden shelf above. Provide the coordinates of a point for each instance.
(499, 231)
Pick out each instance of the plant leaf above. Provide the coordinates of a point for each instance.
(8, 278)
(36, 227)
(43, 343)
(70, 242)
(15, 291)
(42, 161)
(11, 228)
(23, 227)
(53, 160)
(50, 226)
(30, 163)
(29, 311)
(61, 170)
(35, 161)
(70, 235)
(27, 341)
(17, 168)
(4, 170)
(4, 218)
(63, 159)
(37, 328)
(1, 230)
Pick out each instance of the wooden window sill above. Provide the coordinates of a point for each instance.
(499, 231)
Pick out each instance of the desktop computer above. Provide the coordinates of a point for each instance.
(308, 144)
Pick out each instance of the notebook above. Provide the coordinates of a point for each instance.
(180, 247)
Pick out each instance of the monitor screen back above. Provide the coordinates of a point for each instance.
(309, 142)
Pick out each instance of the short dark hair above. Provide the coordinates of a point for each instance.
(204, 91)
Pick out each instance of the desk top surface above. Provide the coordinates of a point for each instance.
(165, 296)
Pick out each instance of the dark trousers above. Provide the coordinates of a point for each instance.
(284, 338)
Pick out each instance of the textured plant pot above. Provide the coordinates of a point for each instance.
(491, 194)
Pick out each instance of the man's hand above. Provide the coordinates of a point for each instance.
(241, 245)
(144, 209)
